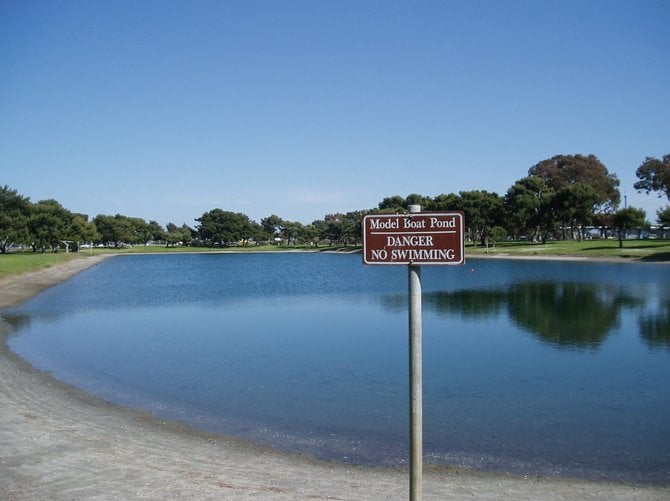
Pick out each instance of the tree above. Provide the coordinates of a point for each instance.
(49, 225)
(626, 219)
(106, 227)
(528, 207)
(173, 235)
(271, 226)
(186, 235)
(141, 232)
(482, 210)
(352, 227)
(573, 207)
(561, 171)
(321, 228)
(426, 203)
(83, 230)
(177, 235)
(334, 231)
(291, 231)
(128, 229)
(219, 227)
(497, 234)
(654, 175)
(446, 202)
(395, 203)
(398, 204)
(310, 234)
(663, 216)
(14, 213)
(603, 221)
(155, 231)
(118, 229)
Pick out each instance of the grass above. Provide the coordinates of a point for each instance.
(22, 262)
(645, 250)
(642, 250)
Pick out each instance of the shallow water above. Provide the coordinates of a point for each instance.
(529, 367)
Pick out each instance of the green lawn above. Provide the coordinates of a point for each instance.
(647, 250)
(21, 262)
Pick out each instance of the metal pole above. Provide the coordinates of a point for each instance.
(415, 380)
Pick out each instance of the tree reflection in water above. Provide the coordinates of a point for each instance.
(471, 304)
(655, 328)
(566, 315)
(16, 321)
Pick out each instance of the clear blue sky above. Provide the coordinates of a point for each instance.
(167, 109)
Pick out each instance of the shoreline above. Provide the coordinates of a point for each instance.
(564, 257)
(59, 442)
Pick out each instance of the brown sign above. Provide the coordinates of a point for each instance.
(419, 238)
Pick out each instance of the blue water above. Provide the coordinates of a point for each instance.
(532, 367)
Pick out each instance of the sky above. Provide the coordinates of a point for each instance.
(167, 109)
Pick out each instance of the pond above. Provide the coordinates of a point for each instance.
(534, 367)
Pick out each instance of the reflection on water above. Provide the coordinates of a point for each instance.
(655, 327)
(565, 314)
(17, 321)
(467, 303)
(529, 367)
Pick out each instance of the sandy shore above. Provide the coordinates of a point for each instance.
(57, 442)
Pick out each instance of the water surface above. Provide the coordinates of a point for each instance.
(530, 367)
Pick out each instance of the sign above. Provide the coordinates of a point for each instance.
(415, 238)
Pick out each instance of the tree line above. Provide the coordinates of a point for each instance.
(559, 198)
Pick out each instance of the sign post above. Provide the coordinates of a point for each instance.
(415, 379)
(414, 239)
